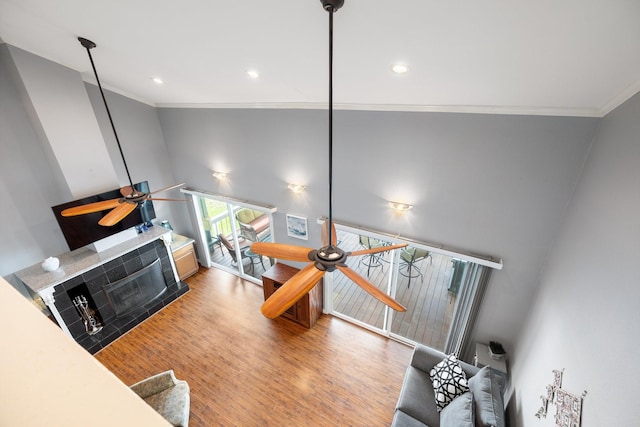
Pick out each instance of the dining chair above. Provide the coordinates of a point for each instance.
(409, 257)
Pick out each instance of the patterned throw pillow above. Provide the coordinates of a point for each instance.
(449, 381)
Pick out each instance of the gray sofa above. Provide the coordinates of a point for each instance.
(482, 406)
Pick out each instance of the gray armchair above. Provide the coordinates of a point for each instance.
(167, 395)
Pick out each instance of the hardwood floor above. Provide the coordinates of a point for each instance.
(247, 370)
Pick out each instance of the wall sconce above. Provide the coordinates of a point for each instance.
(400, 207)
(296, 188)
(222, 176)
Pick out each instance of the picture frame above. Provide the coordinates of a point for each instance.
(297, 227)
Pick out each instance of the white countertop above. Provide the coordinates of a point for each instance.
(82, 260)
(179, 241)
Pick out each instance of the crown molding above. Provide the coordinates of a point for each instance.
(471, 109)
(92, 80)
(623, 97)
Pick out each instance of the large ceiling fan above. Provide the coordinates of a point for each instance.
(131, 198)
(329, 257)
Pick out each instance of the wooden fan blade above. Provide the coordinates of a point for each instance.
(117, 214)
(125, 191)
(371, 289)
(325, 234)
(282, 251)
(91, 207)
(378, 249)
(167, 200)
(291, 291)
(167, 188)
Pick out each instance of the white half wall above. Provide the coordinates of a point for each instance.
(49, 380)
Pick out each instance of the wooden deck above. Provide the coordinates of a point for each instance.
(429, 303)
(222, 257)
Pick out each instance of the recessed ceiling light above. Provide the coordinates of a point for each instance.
(399, 68)
(157, 80)
(253, 74)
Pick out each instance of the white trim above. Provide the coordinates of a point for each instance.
(475, 109)
(92, 80)
(437, 248)
(239, 202)
(620, 99)
(239, 271)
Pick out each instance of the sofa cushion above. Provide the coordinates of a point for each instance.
(459, 412)
(416, 397)
(400, 419)
(487, 397)
(449, 381)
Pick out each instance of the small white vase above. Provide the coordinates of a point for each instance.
(51, 263)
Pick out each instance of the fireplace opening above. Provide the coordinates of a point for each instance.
(136, 290)
(86, 308)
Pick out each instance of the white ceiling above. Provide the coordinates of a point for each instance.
(559, 57)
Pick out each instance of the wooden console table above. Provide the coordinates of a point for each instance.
(308, 308)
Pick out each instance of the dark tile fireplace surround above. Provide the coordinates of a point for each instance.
(120, 293)
(94, 285)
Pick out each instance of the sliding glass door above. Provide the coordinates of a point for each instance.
(348, 298)
(439, 290)
(227, 229)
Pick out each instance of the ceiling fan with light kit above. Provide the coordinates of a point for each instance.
(329, 257)
(132, 198)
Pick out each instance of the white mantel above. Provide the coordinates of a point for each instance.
(77, 262)
(81, 260)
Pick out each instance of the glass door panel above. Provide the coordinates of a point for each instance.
(229, 230)
(349, 299)
(424, 288)
(429, 284)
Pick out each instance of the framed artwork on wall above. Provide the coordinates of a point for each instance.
(297, 227)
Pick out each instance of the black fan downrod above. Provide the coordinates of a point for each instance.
(135, 196)
(328, 257)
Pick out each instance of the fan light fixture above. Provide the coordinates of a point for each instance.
(131, 198)
(297, 188)
(400, 207)
(222, 176)
(329, 257)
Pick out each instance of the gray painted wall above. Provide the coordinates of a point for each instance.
(143, 146)
(32, 180)
(29, 184)
(491, 184)
(585, 318)
(63, 111)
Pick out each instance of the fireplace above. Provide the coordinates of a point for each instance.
(136, 290)
(119, 294)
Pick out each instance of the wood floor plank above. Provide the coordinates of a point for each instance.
(247, 370)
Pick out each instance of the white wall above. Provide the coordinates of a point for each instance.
(585, 318)
(52, 381)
